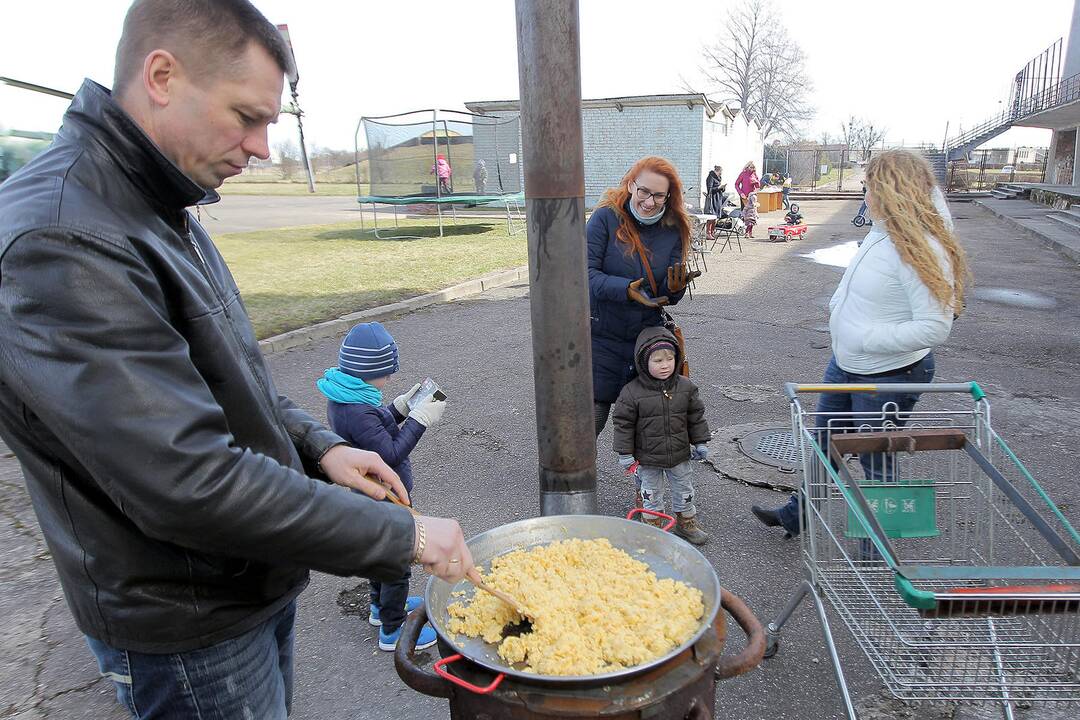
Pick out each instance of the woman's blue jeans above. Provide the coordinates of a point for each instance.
(249, 676)
(877, 466)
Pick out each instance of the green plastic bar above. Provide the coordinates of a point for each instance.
(918, 599)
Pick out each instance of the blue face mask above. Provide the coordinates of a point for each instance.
(651, 220)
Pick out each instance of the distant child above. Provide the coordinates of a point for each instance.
(787, 190)
(367, 359)
(750, 214)
(659, 421)
(793, 217)
(443, 171)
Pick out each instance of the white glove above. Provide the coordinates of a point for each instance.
(699, 452)
(429, 412)
(401, 402)
(625, 461)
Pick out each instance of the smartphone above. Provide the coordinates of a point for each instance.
(428, 388)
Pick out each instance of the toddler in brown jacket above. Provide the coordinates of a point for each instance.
(659, 421)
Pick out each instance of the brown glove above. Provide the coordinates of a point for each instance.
(679, 276)
(638, 295)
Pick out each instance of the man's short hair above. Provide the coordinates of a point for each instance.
(207, 36)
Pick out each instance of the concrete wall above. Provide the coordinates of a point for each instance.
(1072, 50)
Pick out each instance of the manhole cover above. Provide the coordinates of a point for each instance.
(772, 446)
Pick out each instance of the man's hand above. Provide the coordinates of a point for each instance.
(347, 466)
(639, 295)
(445, 553)
(679, 276)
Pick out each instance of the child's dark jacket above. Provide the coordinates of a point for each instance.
(658, 422)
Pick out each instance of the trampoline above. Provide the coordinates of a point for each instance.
(440, 159)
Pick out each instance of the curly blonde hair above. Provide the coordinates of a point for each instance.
(899, 186)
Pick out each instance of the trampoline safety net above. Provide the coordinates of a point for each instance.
(405, 154)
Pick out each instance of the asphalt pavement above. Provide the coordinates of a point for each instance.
(757, 319)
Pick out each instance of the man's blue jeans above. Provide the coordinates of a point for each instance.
(249, 676)
(876, 466)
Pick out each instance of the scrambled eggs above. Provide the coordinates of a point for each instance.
(594, 609)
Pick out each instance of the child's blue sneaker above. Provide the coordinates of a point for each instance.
(413, 602)
(388, 641)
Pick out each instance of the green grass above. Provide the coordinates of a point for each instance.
(293, 277)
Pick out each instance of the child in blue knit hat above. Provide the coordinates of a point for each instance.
(367, 359)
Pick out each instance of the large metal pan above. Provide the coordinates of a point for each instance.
(666, 555)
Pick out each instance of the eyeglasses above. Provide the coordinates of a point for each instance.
(644, 194)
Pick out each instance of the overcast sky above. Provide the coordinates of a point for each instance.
(909, 65)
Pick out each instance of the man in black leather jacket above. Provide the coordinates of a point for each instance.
(173, 484)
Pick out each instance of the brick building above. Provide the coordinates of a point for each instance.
(689, 130)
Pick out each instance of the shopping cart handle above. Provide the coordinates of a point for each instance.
(792, 389)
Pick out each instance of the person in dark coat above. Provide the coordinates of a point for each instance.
(659, 421)
(645, 216)
(714, 196)
(353, 390)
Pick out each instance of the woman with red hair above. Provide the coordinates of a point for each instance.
(638, 241)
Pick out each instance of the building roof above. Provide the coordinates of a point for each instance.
(689, 99)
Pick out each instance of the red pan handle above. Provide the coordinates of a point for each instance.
(440, 668)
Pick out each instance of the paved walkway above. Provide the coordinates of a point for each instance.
(1031, 218)
(246, 213)
(757, 319)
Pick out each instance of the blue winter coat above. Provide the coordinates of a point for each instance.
(617, 320)
(376, 428)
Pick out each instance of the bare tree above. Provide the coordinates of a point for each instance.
(288, 158)
(871, 136)
(756, 64)
(861, 135)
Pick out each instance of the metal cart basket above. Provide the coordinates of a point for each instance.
(956, 574)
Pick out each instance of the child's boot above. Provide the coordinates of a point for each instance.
(688, 529)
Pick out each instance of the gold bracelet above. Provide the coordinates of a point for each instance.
(421, 542)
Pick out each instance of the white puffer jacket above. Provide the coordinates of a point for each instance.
(882, 316)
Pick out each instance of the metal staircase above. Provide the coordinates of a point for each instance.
(958, 147)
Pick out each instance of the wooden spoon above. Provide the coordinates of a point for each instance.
(474, 577)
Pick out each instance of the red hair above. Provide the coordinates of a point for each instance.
(675, 214)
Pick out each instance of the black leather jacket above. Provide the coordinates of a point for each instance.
(169, 478)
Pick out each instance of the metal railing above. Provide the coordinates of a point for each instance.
(1066, 91)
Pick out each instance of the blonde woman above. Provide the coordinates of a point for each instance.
(894, 305)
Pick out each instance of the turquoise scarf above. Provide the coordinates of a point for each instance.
(344, 388)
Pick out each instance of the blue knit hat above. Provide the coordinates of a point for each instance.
(368, 352)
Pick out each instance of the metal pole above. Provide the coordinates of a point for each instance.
(549, 71)
(303, 148)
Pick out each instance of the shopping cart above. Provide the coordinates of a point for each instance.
(957, 575)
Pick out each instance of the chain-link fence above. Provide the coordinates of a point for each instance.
(820, 167)
(983, 169)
